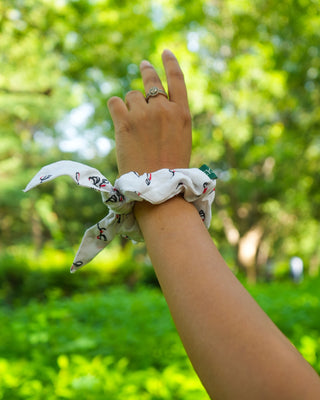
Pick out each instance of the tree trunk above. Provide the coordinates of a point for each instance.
(37, 231)
(247, 251)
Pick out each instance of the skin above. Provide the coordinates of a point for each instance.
(235, 348)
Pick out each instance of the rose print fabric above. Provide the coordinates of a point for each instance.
(196, 185)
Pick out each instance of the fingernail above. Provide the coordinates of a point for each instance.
(169, 52)
(145, 63)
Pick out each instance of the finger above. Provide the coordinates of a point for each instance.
(151, 79)
(118, 110)
(176, 84)
(135, 99)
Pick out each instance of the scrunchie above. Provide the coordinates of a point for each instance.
(196, 185)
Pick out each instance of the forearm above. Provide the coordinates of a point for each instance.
(234, 347)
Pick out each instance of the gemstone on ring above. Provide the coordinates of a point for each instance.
(154, 91)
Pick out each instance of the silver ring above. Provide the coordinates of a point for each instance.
(154, 91)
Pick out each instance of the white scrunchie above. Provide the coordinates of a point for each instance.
(196, 185)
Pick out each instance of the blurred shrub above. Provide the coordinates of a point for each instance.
(85, 336)
(295, 309)
(115, 345)
(24, 276)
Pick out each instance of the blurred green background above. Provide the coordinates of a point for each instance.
(252, 72)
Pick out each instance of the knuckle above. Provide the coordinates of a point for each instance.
(162, 111)
(183, 114)
(186, 115)
(176, 73)
(153, 80)
(132, 93)
(124, 126)
(162, 107)
(143, 114)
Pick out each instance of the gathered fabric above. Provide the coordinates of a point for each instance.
(197, 186)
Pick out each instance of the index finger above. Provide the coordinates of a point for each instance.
(175, 79)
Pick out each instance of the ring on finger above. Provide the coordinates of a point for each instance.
(154, 91)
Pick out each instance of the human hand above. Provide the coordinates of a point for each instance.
(155, 134)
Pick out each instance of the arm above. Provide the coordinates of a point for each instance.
(235, 348)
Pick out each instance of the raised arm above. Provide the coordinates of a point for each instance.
(234, 347)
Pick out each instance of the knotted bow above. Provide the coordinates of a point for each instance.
(197, 186)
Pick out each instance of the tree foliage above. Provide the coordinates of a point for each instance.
(252, 71)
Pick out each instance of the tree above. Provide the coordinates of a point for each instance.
(252, 71)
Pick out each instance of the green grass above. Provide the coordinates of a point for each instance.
(86, 336)
(114, 345)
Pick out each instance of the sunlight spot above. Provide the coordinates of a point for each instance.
(76, 138)
(193, 41)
